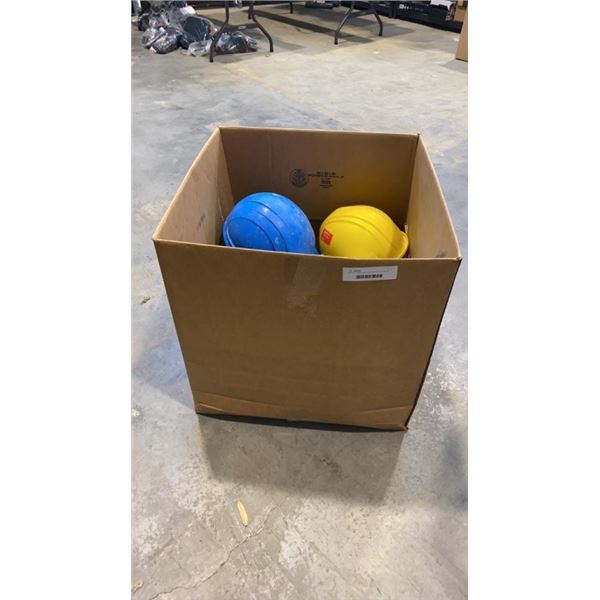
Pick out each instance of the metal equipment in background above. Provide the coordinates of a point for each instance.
(436, 13)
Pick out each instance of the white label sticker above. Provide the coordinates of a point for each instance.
(369, 273)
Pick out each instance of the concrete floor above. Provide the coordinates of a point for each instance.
(333, 514)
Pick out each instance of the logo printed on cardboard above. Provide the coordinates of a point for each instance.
(326, 236)
(299, 177)
(324, 177)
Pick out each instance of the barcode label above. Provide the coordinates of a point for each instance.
(369, 273)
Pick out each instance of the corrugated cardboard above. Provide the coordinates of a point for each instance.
(460, 11)
(462, 51)
(278, 335)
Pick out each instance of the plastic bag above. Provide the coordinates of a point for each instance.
(198, 29)
(173, 24)
(321, 4)
(151, 35)
(178, 14)
(185, 40)
(157, 19)
(168, 42)
(143, 23)
(236, 42)
(229, 43)
(199, 48)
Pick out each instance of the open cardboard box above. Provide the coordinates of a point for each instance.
(462, 50)
(460, 11)
(300, 337)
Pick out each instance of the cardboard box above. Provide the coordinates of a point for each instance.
(287, 336)
(460, 11)
(462, 51)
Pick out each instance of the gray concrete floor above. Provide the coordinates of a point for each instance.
(333, 514)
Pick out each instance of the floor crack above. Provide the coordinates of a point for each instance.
(236, 546)
(195, 584)
(177, 587)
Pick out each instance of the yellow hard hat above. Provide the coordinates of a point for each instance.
(361, 232)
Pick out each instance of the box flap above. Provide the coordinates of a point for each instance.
(384, 418)
(204, 198)
(428, 223)
(322, 170)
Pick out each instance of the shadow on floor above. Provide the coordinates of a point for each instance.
(457, 65)
(311, 458)
(308, 25)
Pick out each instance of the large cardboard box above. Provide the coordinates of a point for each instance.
(462, 50)
(460, 11)
(301, 337)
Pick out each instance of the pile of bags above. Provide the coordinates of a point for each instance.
(172, 25)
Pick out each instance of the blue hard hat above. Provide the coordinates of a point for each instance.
(268, 221)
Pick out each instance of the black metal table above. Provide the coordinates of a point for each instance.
(350, 14)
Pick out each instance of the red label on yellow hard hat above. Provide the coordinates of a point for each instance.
(326, 236)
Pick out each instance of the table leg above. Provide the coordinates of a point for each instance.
(265, 32)
(343, 22)
(374, 8)
(213, 46)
